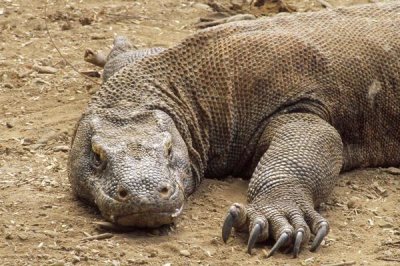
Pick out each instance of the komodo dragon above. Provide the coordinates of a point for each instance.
(288, 101)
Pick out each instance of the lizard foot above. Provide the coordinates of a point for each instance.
(287, 223)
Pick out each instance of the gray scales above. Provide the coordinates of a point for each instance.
(289, 102)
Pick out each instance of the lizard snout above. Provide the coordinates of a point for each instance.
(143, 208)
(163, 191)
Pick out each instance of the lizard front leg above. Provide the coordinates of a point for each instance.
(296, 173)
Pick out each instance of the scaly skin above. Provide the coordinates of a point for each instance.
(123, 54)
(289, 101)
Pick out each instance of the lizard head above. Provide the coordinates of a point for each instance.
(134, 166)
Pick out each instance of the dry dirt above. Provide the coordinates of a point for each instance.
(41, 223)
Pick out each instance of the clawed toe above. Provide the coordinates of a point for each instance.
(297, 243)
(322, 232)
(235, 218)
(228, 225)
(258, 232)
(282, 240)
(254, 234)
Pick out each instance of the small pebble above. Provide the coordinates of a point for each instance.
(115, 263)
(85, 21)
(214, 241)
(75, 259)
(50, 233)
(354, 203)
(383, 224)
(202, 6)
(388, 253)
(98, 37)
(44, 69)
(66, 26)
(393, 170)
(62, 148)
(58, 263)
(185, 253)
(23, 237)
(265, 252)
(40, 81)
(153, 254)
(208, 253)
(8, 236)
(308, 261)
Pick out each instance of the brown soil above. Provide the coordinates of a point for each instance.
(43, 224)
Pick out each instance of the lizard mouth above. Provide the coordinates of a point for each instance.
(146, 219)
(132, 214)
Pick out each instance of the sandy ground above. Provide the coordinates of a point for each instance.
(41, 223)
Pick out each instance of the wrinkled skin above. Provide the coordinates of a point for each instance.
(131, 189)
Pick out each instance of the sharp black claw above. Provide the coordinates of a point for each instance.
(255, 233)
(297, 243)
(227, 227)
(279, 243)
(322, 232)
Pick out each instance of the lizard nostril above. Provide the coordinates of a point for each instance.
(165, 191)
(122, 194)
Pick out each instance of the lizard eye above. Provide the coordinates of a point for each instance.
(98, 161)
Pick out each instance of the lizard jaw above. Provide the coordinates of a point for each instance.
(148, 220)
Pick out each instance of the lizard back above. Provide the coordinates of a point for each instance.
(223, 84)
